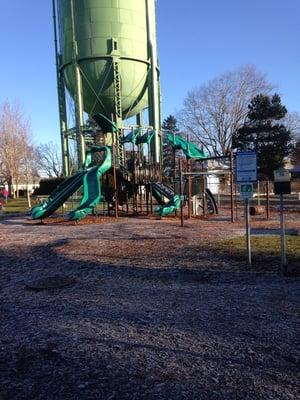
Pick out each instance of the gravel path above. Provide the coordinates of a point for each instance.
(150, 315)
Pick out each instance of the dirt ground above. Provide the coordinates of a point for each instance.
(152, 311)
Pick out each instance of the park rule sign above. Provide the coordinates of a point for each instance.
(246, 166)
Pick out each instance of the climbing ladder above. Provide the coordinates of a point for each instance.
(118, 111)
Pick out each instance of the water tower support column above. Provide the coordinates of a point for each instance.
(61, 102)
(78, 96)
(154, 86)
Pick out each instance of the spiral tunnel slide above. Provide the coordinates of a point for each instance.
(160, 192)
(89, 178)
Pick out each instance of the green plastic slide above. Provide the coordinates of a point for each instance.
(136, 137)
(168, 208)
(58, 196)
(160, 191)
(105, 123)
(131, 137)
(145, 138)
(92, 188)
(189, 149)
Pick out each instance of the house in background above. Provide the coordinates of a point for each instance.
(295, 171)
(22, 187)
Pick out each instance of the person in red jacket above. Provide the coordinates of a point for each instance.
(5, 194)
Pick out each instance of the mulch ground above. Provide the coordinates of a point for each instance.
(143, 309)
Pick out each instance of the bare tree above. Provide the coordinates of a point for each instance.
(29, 167)
(213, 113)
(296, 154)
(292, 122)
(14, 140)
(49, 160)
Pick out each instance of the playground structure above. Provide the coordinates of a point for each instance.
(107, 65)
(133, 188)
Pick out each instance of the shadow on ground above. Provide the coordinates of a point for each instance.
(132, 332)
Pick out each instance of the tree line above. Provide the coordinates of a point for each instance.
(21, 160)
(238, 110)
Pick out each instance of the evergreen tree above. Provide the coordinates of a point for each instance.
(169, 125)
(263, 133)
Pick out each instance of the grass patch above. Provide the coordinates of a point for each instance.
(19, 205)
(265, 249)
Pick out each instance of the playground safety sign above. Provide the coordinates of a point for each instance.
(246, 166)
(246, 190)
(246, 174)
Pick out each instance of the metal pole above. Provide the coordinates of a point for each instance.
(77, 94)
(189, 169)
(180, 190)
(268, 199)
(248, 232)
(151, 201)
(174, 169)
(189, 189)
(231, 187)
(61, 101)
(140, 170)
(115, 175)
(204, 191)
(150, 178)
(147, 200)
(135, 180)
(282, 238)
(236, 202)
(154, 80)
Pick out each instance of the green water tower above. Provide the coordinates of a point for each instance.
(107, 62)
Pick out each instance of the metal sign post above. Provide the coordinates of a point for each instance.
(282, 238)
(246, 174)
(282, 185)
(246, 191)
(248, 232)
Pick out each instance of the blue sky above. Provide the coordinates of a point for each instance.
(197, 41)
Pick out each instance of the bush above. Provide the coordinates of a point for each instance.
(47, 186)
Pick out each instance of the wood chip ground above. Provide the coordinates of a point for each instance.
(154, 312)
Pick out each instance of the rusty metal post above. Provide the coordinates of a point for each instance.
(108, 186)
(204, 192)
(115, 176)
(181, 192)
(236, 202)
(282, 238)
(147, 200)
(151, 201)
(248, 232)
(189, 170)
(189, 189)
(268, 199)
(231, 188)
(174, 174)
